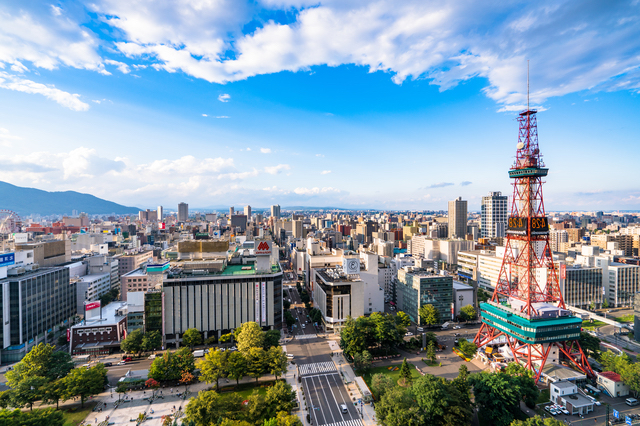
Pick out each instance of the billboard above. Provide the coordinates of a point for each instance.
(7, 259)
(264, 303)
(162, 225)
(92, 305)
(563, 271)
(264, 248)
(257, 297)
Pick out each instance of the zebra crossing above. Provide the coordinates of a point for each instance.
(305, 336)
(356, 422)
(317, 368)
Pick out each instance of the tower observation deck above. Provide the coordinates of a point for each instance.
(527, 311)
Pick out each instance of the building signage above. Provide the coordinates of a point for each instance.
(257, 300)
(7, 259)
(264, 303)
(523, 226)
(563, 271)
(264, 248)
(92, 305)
(616, 413)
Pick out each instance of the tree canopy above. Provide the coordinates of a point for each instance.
(133, 342)
(377, 330)
(192, 337)
(468, 313)
(250, 336)
(429, 315)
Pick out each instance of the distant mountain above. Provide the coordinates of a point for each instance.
(26, 201)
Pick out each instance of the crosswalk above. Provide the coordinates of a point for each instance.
(317, 368)
(305, 336)
(357, 422)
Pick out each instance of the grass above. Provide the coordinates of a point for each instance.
(245, 390)
(544, 396)
(74, 415)
(625, 318)
(591, 325)
(395, 375)
(429, 363)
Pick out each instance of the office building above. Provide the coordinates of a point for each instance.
(147, 277)
(416, 287)
(457, 218)
(231, 211)
(33, 301)
(247, 212)
(238, 221)
(581, 286)
(493, 215)
(48, 253)
(275, 211)
(102, 331)
(183, 212)
(89, 288)
(129, 262)
(160, 213)
(338, 296)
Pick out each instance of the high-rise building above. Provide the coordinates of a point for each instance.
(420, 287)
(183, 212)
(457, 218)
(247, 212)
(160, 213)
(493, 221)
(231, 211)
(275, 211)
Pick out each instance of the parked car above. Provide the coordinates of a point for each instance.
(409, 333)
(152, 356)
(419, 329)
(108, 364)
(457, 327)
(123, 362)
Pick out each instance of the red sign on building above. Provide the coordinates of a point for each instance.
(92, 305)
(264, 247)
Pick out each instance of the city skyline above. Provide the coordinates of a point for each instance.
(141, 106)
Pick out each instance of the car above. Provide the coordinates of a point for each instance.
(553, 412)
(547, 407)
(456, 334)
(152, 356)
(303, 325)
(419, 329)
(233, 348)
(289, 356)
(127, 359)
(121, 363)
(409, 333)
(86, 365)
(457, 327)
(564, 411)
(108, 364)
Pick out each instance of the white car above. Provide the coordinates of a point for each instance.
(419, 329)
(409, 333)
(457, 327)
(553, 412)
(121, 363)
(152, 356)
(289, 356)
(564, 411)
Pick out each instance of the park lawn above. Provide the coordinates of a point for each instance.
(395, 375)
(544, 396)
(74, 415)
(625, 318)
(590, 325)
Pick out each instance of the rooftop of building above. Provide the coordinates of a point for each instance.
(335, 275)
(611, 376)
(139, 272)
(563, 384)
(110, 315)
(181, 269)
(461, 286)
(558, 373)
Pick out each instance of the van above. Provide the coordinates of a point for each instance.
(343, 407)
(631, 401)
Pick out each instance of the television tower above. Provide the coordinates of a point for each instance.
(527, 311)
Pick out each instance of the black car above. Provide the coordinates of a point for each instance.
(108, 364)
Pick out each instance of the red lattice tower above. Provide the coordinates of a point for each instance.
(528, 280)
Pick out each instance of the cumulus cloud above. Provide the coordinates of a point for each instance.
(6, 138)
(265, 150)
(325, 172)
(465, 183)
(68, 100)
(204, 115)
(440, 185)
(224, 97)
(122, 67)
(277, 169)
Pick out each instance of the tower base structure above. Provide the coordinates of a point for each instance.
(551, 334)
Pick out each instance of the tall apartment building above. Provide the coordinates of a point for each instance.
(247, 212)
(417, 287)
(494, 214)
(160, 213)
(275, 211)
(457, 218)
(183, 212)
(557, 237)
(32, 303)
(581, 286)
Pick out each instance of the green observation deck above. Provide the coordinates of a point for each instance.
(528, 172)
(534, 331)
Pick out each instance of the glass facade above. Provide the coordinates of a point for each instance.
(414, 289)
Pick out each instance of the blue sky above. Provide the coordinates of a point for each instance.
(332, 103)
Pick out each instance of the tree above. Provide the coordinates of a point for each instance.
(385, 330)
(152, 384)
(362, 361)
(381, 384)
(537, 421)
(62, 340)
(429, 315)
(256, 358)
(592, 306)
(151, 341)
(285, 419)
(405, 373)
(605, 304)
(277, 361)
(403, 319)
(462, 384)
(27, 391)
(225, 338)
(192, 337)
(184, 361)
(271, 339)
(133, 342)
(236, 366)
(468, 313)
(353, 339)
(468, 348)
(280, 397)
(48, 416)
(41, 361)
(186, 378)
(250, 336)
(495, 396)
(431, 353)
(630, 375)
(53, 392)
(440, 402)
(286, 304)
(205, 409)
(398, 408)
(85, 382)
(213, 367)
(289, 319)
(590, 344)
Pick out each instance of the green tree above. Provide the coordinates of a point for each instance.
(285, 419)
(289, 319)
(250, 336)
(40, 361)
(27, 391)
(48, 417)
(205, 409)
(592, 306)
(183, 360)
(386, 332)
(630, 375)
(271, 339)
(53, 392)
(236, 366)
(353, 337)
(62, 340)
(431, 352)
(440, 402)
(277, 361)
(468, 348)
(286, 304)
(397, 407)
(132, 344)
(192, 337)
(462, 384)
(280, 397)
(85, 382)
(429, 315)
(590, 344)
(483, 295)
(605, 304)
(256, 362)
(225, 338)
(213, 367)
(468, 313)
(151, 341)
(362, 361)
(160, 367)
(496, 397)
(381, 384)
(537, 421)
(405, 373)
(403, 319)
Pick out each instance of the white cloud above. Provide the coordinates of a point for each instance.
(315, 191)
(277, 169)
(222, 116)
(6, 138)
(325, 172)
(248, 149)
(224, 97)
(319, 155)
(265, 150)
(122, 67)
(68, 100)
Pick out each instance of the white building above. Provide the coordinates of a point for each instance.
(463, 295)
(90, 288)
(494, 213)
